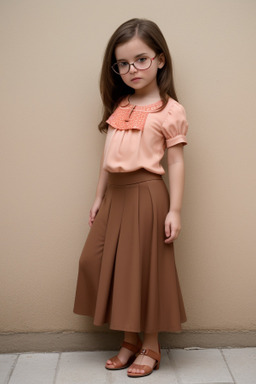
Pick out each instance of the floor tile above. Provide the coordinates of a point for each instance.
(7, 363)
(200, 367)
(88, 368)
(207, 366)
(242, 363)
(36, 368)
(82, 368)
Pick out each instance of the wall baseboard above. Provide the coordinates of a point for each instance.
(83, 341)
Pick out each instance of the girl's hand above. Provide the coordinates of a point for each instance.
(94, 210)
(172, 226)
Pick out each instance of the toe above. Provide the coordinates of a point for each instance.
(131, 369)
(110, 363)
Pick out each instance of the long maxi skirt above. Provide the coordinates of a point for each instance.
(127, 275)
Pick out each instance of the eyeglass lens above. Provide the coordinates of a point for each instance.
(122, 67)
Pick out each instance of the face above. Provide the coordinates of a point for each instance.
(140, 80)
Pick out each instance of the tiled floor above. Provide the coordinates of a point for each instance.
(203, 366)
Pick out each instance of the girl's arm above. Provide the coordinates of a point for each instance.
(100, 192)
(176, 184)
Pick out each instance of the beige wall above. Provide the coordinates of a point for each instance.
(51, 54)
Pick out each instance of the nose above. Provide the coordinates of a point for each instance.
(132, 68)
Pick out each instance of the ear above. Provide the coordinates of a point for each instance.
(161, 61)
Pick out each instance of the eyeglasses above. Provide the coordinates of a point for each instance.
(122, 67)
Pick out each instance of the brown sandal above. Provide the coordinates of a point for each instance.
(116, 361)
(147, 369)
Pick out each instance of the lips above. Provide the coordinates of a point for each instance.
(136, 79)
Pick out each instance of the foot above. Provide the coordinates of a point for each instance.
(125, 356)
(144, 364)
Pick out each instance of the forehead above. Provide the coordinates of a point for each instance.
(132, 48)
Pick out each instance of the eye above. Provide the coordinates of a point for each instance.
(141, 60)
(122, 64)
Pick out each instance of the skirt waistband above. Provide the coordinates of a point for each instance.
(139, 176)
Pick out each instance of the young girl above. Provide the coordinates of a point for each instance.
(127, 275)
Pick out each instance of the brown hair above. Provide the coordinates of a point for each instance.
(112, 87)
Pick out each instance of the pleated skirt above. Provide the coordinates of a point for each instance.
(127, 275)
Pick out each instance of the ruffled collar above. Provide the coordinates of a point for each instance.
(131, 116)
(146, 108)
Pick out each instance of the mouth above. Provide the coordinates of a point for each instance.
(136, 79)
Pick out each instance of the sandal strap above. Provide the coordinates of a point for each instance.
(148, 352)
(133, 348)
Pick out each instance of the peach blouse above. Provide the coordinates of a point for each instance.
(138, 135)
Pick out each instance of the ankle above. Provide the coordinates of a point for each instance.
(131, 337)
(152, 347)
(151, 342)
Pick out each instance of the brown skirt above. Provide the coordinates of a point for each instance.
(127, 275)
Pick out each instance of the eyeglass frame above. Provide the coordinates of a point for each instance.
(120, 74)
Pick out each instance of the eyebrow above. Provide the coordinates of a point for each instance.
(135, 57)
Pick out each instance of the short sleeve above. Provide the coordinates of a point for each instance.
(175, 126)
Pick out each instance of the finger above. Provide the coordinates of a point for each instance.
(169, 240)
(91, 219)
(174, 235)
(167, 230)
(93, 215)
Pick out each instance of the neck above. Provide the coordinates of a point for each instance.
(145, 98)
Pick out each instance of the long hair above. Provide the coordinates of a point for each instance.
(112, 87)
